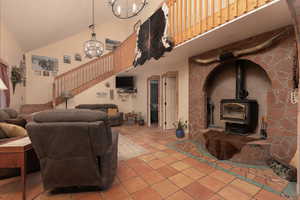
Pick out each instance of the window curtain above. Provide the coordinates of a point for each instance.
(5, 79)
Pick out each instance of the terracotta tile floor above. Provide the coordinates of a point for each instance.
(161, 173)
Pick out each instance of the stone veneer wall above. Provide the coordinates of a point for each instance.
(277, 62)
(295, 11)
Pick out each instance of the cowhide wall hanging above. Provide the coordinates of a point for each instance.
(153, 40)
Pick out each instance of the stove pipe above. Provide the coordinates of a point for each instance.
(240, 91)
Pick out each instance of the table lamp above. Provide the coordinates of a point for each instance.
(66, 95)
(2, 85)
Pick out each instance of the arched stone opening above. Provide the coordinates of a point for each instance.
(221, 84)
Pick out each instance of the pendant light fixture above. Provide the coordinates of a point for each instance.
(125, 9)
(93, 47)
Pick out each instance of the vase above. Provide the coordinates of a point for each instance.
(180, 133)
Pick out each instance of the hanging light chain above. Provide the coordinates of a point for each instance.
(93, 12)
(93, 47)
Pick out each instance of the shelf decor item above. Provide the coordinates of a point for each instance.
(180, 128)
(93, 47)
(125, 9)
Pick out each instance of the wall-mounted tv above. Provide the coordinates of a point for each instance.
(125, 82)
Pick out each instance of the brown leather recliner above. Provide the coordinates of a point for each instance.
(75, 148)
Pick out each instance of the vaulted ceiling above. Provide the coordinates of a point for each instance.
(36, 23)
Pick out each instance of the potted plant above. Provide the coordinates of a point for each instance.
(16, 77)
(180, 127)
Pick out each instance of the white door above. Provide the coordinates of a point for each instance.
(170, 102)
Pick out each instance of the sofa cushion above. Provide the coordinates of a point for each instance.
(70, 115)
(18, 121)
(12, 130)
(11, 112)
(2, 134)
(3, 116)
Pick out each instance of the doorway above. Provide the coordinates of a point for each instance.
(153, 101)
(170, 99)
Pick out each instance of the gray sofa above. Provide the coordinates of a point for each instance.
(75, 148)
(11, 116)
(115, 120)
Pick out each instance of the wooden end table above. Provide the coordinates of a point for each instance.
(13, 155)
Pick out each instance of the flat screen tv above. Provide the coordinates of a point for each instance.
(125, 82)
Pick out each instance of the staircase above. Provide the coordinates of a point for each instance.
(89, 74)
(187, 19)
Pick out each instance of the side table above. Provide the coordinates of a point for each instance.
(13, 155)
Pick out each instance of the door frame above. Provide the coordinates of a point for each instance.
(149, 79)
(169, 74)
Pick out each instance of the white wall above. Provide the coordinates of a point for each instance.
(40, 90)
(142, 73)
(137, 102)
(11, 52)
(90, 97)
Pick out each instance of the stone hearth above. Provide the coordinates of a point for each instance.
(281, 114)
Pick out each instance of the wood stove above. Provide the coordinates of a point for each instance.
(240, 114)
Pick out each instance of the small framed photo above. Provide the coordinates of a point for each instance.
(46, 73)
(77, 57)
(67, 59)
(111, 45)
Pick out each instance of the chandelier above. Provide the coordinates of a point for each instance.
(93, 47)
(125, 9)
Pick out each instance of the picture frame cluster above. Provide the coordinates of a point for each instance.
(48, 66)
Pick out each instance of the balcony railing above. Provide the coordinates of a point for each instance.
(189, 18)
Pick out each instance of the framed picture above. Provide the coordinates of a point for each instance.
(43, 63)
(67, 59)
(111, 45)
(46, 73)
(77, 57)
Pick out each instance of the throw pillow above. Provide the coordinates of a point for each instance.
(3, 116)
(2, 134)
(12, 130)
(11, 112)
(19, 122)
(112, 111)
